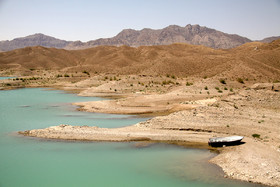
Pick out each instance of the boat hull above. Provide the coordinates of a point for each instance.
(225, 141)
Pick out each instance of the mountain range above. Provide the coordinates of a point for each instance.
(190, 34)
(253, 61)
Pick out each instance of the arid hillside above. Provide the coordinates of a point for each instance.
(252, 60)
(190, 34)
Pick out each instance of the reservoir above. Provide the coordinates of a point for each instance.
(3, 78)
(27, 162)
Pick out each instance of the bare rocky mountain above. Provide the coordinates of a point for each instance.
(270, 39)
(32, 40)
(191, 34)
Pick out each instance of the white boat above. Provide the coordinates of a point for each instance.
(225, 141)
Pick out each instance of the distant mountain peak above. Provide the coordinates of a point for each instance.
(190, 34)
(37, 39)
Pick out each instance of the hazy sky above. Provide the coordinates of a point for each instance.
(92, 19)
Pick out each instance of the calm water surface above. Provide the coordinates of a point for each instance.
(3, 78)
(27, 162)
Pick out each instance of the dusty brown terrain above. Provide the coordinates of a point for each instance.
(196, 92)
(252, 61)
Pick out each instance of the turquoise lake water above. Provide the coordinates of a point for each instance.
(28, 162)
(3, 78)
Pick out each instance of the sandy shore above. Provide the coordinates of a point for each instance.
(194, 119)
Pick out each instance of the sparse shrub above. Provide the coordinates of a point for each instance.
(34, 78)
(205, 88)
(216, 105)
(167, 82)
(231, 89)
(8, 84)
(217, 88)
(131, 84)
(66, 75)
(167, 75)
(240, 80)
(56, 76)
(189, 83)
(173, 77)
(225, 88)
(223, 81)
(220, 91)
(256, 135)
(170, 82)
(260, 121)
(85, 72)
(205, 77)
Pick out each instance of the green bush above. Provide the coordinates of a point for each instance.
(256, 135)
(223, 81)
(85, 72)
(240, 80)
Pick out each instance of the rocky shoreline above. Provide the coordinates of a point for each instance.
(248, 112)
